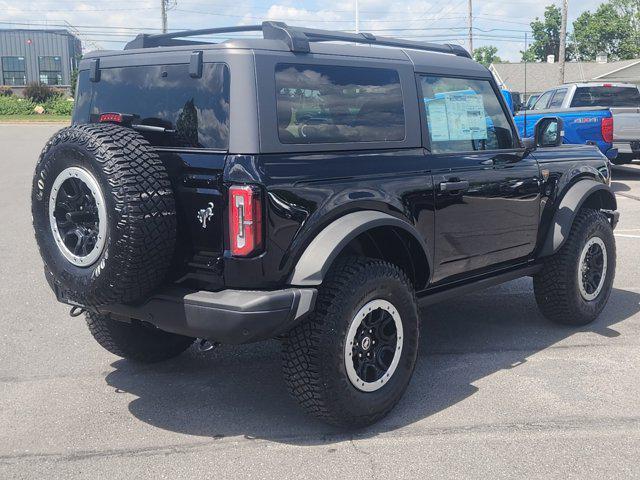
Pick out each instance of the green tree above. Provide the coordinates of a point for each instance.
(486, 55)
(614, 29)
(546, 36)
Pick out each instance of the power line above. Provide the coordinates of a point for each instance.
(261, 17)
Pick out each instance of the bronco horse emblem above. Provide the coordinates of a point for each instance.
(205, 214)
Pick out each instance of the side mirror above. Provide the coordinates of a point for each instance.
(549, 132)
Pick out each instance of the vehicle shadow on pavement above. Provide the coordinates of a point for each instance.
(625, 172)
(239, 390)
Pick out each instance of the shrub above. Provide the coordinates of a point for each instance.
(5, 91)
(59, 92)
(39, 93)
(16, 106)
(58, 106)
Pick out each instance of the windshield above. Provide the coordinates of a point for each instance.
(606, 96)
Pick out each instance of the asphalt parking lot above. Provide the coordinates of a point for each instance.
(498, 391)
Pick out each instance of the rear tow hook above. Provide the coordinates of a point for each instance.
(205, 345)
(76, 311)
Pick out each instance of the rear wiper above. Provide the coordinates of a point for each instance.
(151, 128)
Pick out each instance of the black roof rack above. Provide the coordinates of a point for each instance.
(296, 38)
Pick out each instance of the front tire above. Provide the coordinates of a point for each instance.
(350, 362)
(136, 341)
(575, 283)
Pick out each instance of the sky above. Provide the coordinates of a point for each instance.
(108, 25)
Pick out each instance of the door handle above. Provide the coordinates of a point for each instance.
(454, 186)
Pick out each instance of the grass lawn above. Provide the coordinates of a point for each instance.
(34, 118)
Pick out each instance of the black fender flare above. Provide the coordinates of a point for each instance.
(566, 211)
(319, 255)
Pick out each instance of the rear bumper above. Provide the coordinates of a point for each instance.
(228, 316)
(627, 147)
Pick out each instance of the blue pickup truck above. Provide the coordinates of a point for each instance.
(602, 114)
(583, 125)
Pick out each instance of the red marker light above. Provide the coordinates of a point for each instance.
(606, 128)
(111, 118)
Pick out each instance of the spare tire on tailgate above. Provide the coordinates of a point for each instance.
(104, 214)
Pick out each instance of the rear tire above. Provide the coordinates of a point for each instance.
(344, 365)
(136, 341)
(575, 283)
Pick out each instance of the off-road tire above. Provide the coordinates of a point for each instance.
(136, 341)
(556, 286)
(140, 209)
(314, 351)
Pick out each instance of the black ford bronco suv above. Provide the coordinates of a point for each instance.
(317, 192)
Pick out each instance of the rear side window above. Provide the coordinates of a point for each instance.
(464, 115)
(558, 98)
(541, 103)
(606, 96)
(334, 104)
(195, 110)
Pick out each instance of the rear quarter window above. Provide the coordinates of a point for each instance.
(336, 104)
(195, 110)
(606, 96)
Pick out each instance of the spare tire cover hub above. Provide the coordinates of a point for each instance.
(78, 216)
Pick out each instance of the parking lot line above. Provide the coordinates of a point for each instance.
(626, 235)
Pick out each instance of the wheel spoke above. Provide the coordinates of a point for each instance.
(71, 189)
(384, 357)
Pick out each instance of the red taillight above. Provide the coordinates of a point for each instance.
(111, 117)
(607, 85)
(245, 220)
(606, 127)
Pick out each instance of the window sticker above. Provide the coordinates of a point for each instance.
(437, 120)
(455, 116)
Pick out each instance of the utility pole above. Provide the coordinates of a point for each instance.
(563, 40)
(163, 12)
(357, 17)
(471, 27)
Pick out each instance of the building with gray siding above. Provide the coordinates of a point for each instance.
(543, 76)
(38, 56)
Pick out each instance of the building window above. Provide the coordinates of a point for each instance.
(13, 71)
(50, 70)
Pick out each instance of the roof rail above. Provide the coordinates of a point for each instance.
(296, 38)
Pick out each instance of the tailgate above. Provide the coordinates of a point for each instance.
(626, 124)
(196, 179)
